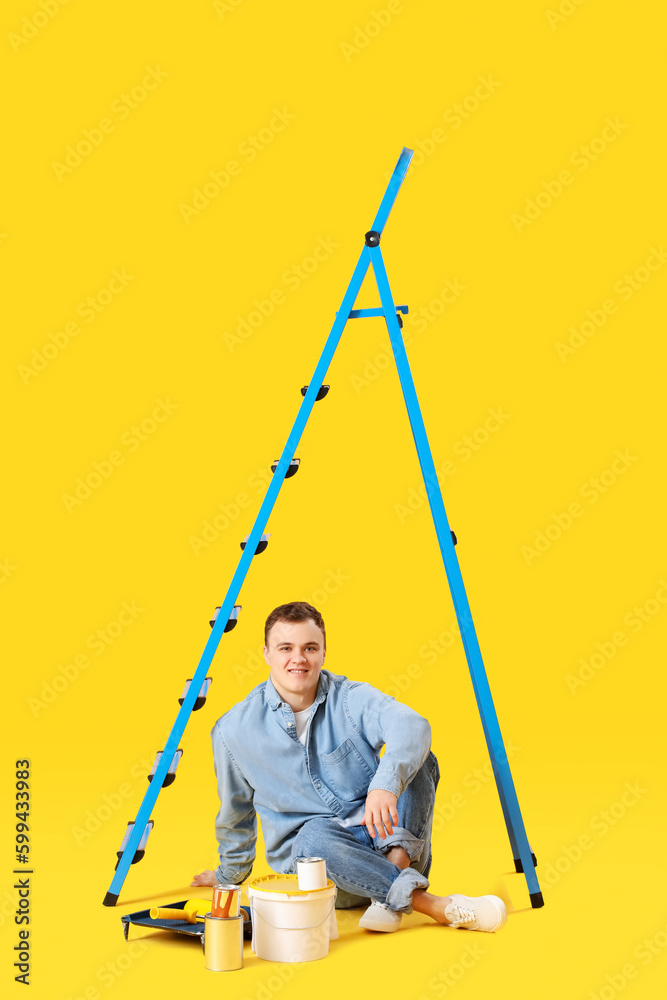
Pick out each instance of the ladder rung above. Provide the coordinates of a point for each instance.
(321, 392)
(261, 544)
(518, 863)
(201, 697)
(141, 849)
(170, 776)
(231, 621)
(292, 468)
(376, 311)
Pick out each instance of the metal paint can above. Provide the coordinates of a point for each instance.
(223, 943)
(226, 900)
(311, 873)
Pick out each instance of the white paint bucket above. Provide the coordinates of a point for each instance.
(289, 924)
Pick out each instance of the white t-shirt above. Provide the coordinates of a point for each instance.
(301, 722)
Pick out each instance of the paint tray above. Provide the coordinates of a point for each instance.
(142, 918)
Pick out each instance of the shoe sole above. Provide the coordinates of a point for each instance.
(371, 925)
(502, 914)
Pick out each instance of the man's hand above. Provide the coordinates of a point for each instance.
(380, 812)
(205, 878)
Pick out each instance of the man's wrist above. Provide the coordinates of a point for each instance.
(386, 785)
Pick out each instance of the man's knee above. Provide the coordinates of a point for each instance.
(432, 766)
(314, 838)
(424, 782)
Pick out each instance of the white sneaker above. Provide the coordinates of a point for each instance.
(476, 913)
(380, 917)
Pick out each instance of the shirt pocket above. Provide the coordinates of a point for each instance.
(346, 772)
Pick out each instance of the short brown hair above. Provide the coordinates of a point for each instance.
(296, 611)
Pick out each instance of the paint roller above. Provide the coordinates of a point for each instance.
(193, 910)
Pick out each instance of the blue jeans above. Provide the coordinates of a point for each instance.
(355, 860)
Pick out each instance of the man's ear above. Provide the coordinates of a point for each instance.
(265, 651)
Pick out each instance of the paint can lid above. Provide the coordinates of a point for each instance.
(286, 884)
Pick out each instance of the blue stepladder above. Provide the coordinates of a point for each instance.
(194, 695)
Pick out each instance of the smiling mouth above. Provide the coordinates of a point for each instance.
(296, 670)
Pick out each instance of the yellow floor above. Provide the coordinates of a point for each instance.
(187, 191)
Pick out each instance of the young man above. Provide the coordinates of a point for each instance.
(302, 750)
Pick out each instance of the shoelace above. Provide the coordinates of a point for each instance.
(461, 914)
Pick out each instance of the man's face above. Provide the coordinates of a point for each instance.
(295, 654)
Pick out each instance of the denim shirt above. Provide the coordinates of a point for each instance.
(262, 767)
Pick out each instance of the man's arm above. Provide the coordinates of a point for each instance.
(236, 822)
(382, 720)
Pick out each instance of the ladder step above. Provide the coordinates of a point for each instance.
(518, 864)
(231, 621)
(141, 849)
(170, 776)
(292, 468)
(261, 544)
(201, 697)
(376, 311)
(321, 392)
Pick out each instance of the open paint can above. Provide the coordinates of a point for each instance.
(311, 873)
(226, 900)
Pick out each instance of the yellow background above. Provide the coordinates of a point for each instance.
(354, 83)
